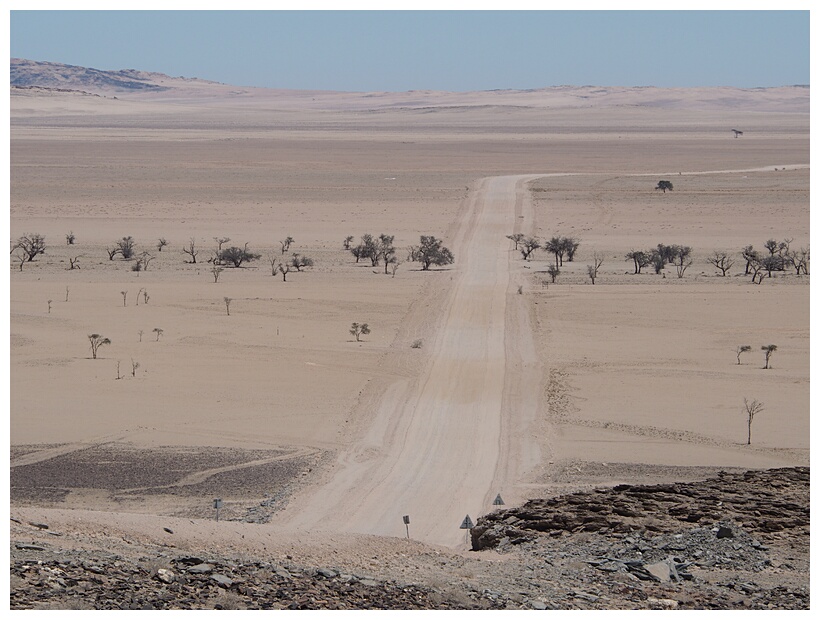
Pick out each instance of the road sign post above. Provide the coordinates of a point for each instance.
(406, 519)
(467, 524)
(217, 506)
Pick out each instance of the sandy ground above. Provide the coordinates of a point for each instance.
(506, 389)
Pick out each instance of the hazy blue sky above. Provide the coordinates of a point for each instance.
(453, 50)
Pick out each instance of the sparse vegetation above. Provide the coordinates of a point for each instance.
(744, 348)
(640, 258)
(416, 344)
(528, 245)
(31, 245)
(236, 256)
(664, 185)
(359, 330)
(125, 247)
(191, 250)
(553, 272)
(285, 243)
(158, 331)
(74, 263)
(721, 260)
(430, 251)
(134, 367)
(347, 241)
(768, 349)
(298, 262)
(592, 270)
(284, 270)
(752, 409)
(681, 258)
(21, 258)
(97, 341)
(161, 243)
(70, 238)
(517, 238)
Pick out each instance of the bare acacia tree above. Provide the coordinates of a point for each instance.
(191, 250)
(744, 348)
(96, 342)
(517, 238)
(215, 271)
(752, 409)
(592, 270)
(21, 258)
(285, 243)
(161, 243)
(527, 246)
(799, 260)
(721, 260)
(158, 331)
(284, 270)
(346, 242)
(767, 351)
(640, 258)
(31, 244)
(143, 261)
(227, 301)
(140, 332)
(298, 261)
(49, 306)
(394, 266)
(217, 257)
(124, 296)
(273, 260)
(70, 238)
(359, 329)
(74, 263)
(682, 258)
(554, 272)
(134, 366)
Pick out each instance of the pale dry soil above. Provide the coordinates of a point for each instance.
(518, 383)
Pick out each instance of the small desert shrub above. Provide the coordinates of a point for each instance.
(416, 344)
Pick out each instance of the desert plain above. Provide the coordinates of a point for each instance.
(478, 378)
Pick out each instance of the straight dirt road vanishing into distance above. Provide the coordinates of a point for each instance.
(433, 450)
(444, 445)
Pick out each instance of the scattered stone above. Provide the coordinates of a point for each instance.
(200, 569)
(165, 575)
(222, 580)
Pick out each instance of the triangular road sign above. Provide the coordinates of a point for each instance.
(498, 501)
(467, 524)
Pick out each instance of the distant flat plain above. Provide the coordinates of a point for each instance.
(635, 372)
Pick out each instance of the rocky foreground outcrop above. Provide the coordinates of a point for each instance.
(737, 541)
(762, 502)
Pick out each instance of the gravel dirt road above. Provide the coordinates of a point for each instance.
(432, 452)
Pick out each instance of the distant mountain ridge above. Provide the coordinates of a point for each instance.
(146, 86)
(57, 75)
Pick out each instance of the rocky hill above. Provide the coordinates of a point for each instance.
(70, 77)
(736, 541)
